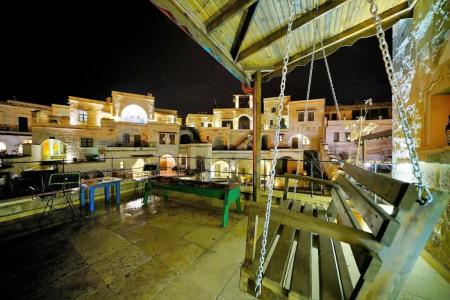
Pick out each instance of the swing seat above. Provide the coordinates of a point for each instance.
(375, 215)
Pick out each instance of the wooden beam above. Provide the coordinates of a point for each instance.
(246, 19)
(196, 31)
(298, 22)
(304, 222)
(345, 38)
(257, 139)
(227, 12)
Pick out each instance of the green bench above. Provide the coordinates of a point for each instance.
(228, 193)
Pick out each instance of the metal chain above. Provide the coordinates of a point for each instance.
(424, 195)
(330, 80)
(275, 151)
(305, 114)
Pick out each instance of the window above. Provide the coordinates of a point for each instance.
(202, 124)
(86, 142)
(271, 122)
(301, 116)
(310, 116)
(281, 137)
(334, 117)
(82, 116)
(347, 136)
(183, 161)
(172, 139)
(274, 110)
(126, 138)
(336, 137)
(162, 138)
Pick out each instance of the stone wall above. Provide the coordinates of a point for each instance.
(421, 53)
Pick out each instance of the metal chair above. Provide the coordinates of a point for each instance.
(61, 185)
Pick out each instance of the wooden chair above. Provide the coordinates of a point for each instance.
(385, 246)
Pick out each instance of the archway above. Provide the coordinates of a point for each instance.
(166, 164)
(134, 113)
(286, 164)
(244, 122)
(185, 139)
(218, 143)
(297, 139)
(220, 169)
(52, 149)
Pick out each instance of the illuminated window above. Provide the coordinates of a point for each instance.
(134, 113)
(281, 137)
(86, 142)
(162, 138)
(347, 136)
(82, 116)
(121, 164)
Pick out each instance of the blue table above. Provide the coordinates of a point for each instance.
(105, 183)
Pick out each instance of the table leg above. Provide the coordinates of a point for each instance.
(118, 193)
(107, 192)
(82, 196)
(91, 199)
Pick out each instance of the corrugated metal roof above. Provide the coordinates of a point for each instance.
(257, 28)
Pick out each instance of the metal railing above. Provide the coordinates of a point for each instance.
(16, 177)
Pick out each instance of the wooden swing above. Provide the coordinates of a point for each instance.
(385, 246)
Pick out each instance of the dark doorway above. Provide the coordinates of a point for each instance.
(244, 122)
(137, 140)
(23, 124)
(265, 142)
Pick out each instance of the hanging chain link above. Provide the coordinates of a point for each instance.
(271, 180)
(424, 195)
(330, 80)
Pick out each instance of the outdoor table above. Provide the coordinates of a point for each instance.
(105, 183)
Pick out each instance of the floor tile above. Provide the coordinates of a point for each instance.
(183, 288)
(205, 236)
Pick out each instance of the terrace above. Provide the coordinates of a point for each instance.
(164, 250)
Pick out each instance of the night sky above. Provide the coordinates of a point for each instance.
(53, 49)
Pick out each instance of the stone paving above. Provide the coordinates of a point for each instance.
(161, 251)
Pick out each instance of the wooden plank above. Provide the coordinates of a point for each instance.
(226, 13)
(416, 225)
(382, 225)
(274, 226)
(310, 179)
(247, 18)
(308, 223)
(252, 227)
(286, 187)
(298, 22)
(344, 213)
(390, 189)
(346, 38)
(257, 139)
(278, 264)
(301, 274)
(182, 18)
(328, 273)
(344, 274)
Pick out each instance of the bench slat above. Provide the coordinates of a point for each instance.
(280, 257)
(344, 274)
(328, 273)
(301, 273)
(271, 238)
(344, 212)
(382, 225)
(391, 190)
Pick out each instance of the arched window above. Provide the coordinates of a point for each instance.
(244, 122)
(134, 113)
(185, 139)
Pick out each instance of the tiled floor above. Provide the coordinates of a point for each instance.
(162, 251)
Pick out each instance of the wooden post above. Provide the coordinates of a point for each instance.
(257, 138)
